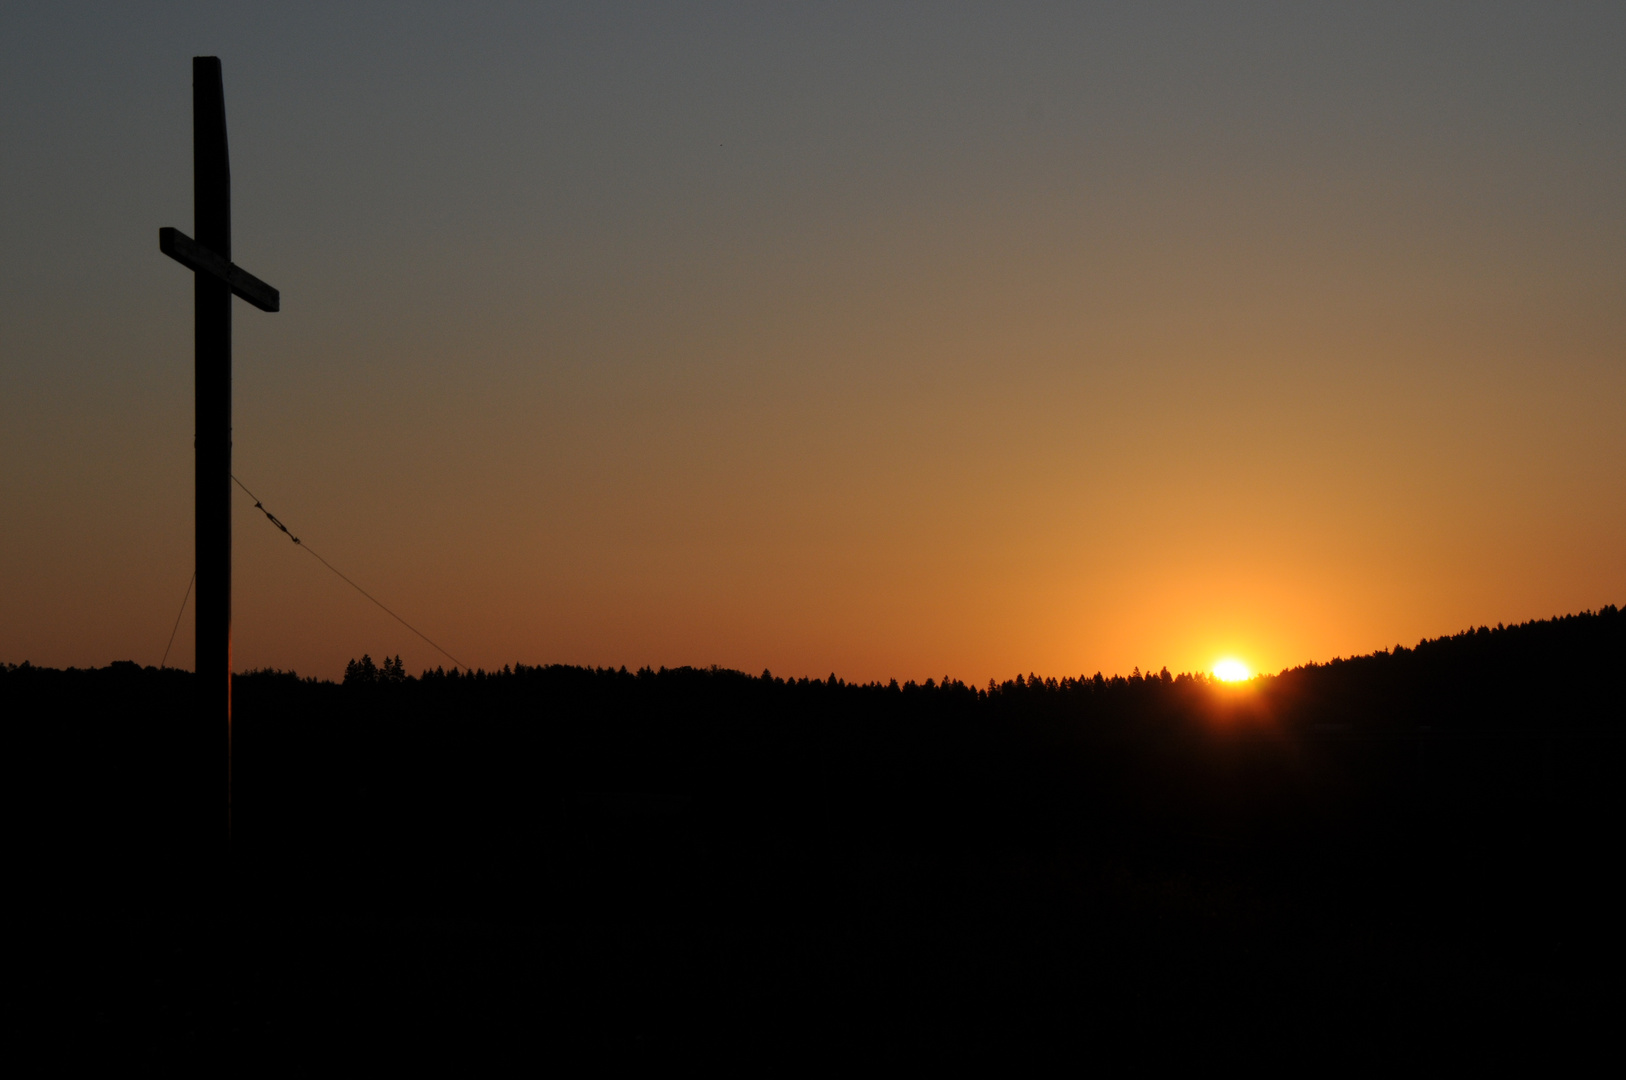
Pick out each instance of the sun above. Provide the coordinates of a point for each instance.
(1229, 670)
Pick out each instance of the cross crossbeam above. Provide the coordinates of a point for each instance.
(194, 256)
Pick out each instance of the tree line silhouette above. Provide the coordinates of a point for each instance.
(1357, 838)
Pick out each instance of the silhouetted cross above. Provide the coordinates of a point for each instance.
(216, 278)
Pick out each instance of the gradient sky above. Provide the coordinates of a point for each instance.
(887, 340)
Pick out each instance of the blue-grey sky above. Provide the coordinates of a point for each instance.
(887, 339)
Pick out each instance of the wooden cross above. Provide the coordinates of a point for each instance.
(216, 278)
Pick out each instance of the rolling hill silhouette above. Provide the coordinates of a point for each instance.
(1402, 849)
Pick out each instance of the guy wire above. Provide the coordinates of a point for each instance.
(187, 596)
(272, 518)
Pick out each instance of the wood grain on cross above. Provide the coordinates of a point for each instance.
(216, 278)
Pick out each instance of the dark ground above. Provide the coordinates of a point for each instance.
(1401, 860)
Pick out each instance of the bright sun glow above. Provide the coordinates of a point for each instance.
(1231, 671)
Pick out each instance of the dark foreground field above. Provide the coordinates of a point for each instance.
(1397, 859)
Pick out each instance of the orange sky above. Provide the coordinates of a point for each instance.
(892, 346)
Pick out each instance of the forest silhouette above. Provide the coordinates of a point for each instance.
(1406, 847)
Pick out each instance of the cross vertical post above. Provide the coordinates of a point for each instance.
(211, 209)
(216, 280)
